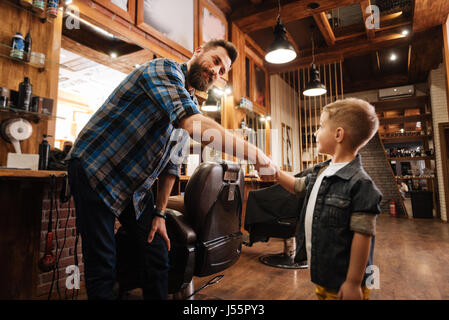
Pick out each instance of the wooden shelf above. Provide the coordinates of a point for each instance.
(35, 115)
(410, 158)
(405, 119)
(406, 138)
(414, 178)
(401, 103)
(23, 173)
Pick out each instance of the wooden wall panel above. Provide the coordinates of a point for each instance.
(445, 27)
(46, 38)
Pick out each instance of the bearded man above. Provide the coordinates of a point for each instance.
(125, 146)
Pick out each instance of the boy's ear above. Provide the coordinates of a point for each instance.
(339, 134)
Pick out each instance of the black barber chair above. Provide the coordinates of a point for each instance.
(203, 227)
(273, 212)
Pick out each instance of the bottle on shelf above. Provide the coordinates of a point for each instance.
(17, 46)
(28, 45)
(39, 6)
(44, 152)
(52, 8)
(25, 94)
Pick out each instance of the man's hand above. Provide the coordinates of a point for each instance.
(158, 226)
(350, 291)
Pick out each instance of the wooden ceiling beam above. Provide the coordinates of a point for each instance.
(337, 52)
(429, 13)
(325, 28)
(370, 32)
(251, 18)
(124, 63)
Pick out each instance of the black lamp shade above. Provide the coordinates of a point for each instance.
(212, 103)
(314, 87)
(281, 50)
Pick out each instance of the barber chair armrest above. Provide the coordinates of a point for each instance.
(177, 227)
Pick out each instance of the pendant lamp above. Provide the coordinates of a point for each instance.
(281, 50)
(314, 87)
(212, 103)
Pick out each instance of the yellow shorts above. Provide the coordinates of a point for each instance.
(325, 294)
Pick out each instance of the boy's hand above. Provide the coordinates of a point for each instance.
(266, 168)
(350, 291)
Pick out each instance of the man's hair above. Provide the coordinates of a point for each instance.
(229, 46)
(357, 117)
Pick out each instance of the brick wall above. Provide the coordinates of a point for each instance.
(438, 100)
(376, 165)
(65, 216)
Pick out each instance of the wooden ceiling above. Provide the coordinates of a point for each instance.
(339, 31)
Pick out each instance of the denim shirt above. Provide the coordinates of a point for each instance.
(349, 191)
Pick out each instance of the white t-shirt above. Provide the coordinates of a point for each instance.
(329, 171)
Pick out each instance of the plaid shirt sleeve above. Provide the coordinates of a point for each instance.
(165, 84)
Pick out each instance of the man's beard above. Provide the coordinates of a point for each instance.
(196, 78)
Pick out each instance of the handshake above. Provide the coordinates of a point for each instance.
(266, 168)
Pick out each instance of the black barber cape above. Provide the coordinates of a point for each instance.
(272, 204)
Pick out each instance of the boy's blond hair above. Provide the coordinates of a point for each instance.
(357, 117)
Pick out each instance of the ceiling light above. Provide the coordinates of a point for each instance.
(113, 55)
(268, 118)
(281, 50)
(212, 103)
(262, 119)
(218, 92)
(228, 91)
(393, 57)
(404, 32)
(314, 87)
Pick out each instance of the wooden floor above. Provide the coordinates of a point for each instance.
(412, 256)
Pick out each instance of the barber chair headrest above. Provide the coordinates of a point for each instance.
(205, 184)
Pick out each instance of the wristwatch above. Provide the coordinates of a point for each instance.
(159, 213)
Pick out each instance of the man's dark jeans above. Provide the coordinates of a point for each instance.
(95, 223)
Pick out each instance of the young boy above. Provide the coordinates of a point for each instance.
(338, 219)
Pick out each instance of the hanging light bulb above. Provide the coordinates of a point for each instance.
(212, 103)
(281, 50)
(314, 87)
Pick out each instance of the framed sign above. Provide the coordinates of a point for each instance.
(287, 151)
(123, 8)
(259, 85)
(212, 23)
(170, 21)
(256, 81)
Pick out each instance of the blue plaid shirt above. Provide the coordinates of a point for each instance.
(127, 143)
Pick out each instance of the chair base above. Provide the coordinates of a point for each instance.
(282, 261)
(285, 260)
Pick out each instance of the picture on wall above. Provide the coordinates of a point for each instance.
(179, 27)
(123, 8)
(122, 4)
(287, 151)
(259, 85)
(213, 27)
